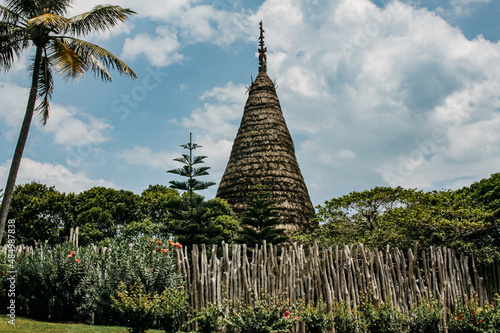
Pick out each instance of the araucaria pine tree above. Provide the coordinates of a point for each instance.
(189, 171)
(260, 220)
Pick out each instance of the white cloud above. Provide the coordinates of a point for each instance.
(70, 130)
(145, 156)
(52, 175)
(160, 50)
(464, 7)
(14, 99)
(220, 114)
(69, 126)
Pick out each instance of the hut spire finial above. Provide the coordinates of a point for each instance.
(262, 51)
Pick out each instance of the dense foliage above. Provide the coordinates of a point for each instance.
(76, 284)
(44, 214)
(467, 220)
(260, 220)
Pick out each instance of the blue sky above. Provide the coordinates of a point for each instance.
(375, 93)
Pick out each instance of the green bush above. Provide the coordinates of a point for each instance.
(210, 319)
(470, 317)
(138, 309)
(143, 310)
(262, 316)
(75, 284)
(345, 318)
(316, 318)
(425, 316)
(385, 319)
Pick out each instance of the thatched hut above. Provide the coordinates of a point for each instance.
(263, 153)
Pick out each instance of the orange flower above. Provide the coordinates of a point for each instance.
(73, 253)
(78, 260)
(178, 245)
(286, 314)
(159, 242)
(69, 255)
(165, 250)
(150, 268)
(456, 318)
(295, 317)
(150, 240)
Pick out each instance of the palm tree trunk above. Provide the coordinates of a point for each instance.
(21, 142)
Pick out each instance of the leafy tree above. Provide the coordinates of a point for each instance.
(40, 213)
(189, 171)
(359, 216)
(155, 203)
(400, 217)
(260, 220)
(103, 213)
(42, 24)
(196, 221)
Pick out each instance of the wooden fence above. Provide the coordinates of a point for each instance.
(332, 274)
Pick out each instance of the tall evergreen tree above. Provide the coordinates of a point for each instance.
(189, 171)
(260, 220)
(192, 219)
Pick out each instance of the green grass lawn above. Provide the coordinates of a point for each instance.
(25, 325)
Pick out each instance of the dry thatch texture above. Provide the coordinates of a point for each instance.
(263, 153)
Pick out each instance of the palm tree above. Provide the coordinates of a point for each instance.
(42, 24)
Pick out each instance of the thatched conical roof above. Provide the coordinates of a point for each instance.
(263, 153)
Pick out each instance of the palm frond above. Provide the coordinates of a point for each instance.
(49, 21)
(28, 9)
(45, 88)
(7, 15)
(100, 18)
(59, 7)
(67, 62)
(97, 58)
(12, 43)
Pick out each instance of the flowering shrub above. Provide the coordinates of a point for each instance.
(64, 283)
(262, 316)
(470, 317)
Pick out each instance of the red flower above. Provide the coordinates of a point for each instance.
(73, 253)
(150, 240)
(286, 314)
(165, 250)
(295, 317)
(456, 318)
(178, 245)
(69, 255)
(78, 260)
(150, 268)
(159, 242)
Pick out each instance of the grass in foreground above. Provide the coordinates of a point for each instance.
(25, 325)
